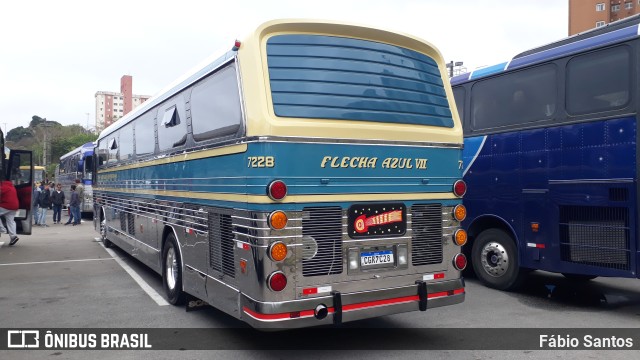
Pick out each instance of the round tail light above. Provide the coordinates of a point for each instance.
(460, 237)
(277, 190)
(460, 262)
(277, 281)
(459, 188)
(460, 212)
(278, 220)
(278, 251)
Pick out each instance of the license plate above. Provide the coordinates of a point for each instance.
(376, 258)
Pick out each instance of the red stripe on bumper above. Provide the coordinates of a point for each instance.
(350, 307)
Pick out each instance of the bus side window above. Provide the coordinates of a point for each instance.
(113, 149)
(516, 98)
(126, 142)
(145, 138)
(215, 106)
(599, 81)
(172, 127)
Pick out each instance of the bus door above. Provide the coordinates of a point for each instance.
(537, 231)
(538, 208)
(20, 172)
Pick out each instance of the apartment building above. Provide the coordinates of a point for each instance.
(110, 106)
(588, 14)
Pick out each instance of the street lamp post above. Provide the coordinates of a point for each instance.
(451, 65)
(46, 145)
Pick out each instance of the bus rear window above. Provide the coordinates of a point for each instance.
(326, 77)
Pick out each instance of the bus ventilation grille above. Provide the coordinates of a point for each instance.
(618, 194)
(322, 231)
(221, 250)
(131, 224)
(426, 241)
(597, 236)
(123, 220)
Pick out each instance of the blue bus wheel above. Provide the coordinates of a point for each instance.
(494, 257)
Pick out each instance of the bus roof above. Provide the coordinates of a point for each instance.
(609, 34)
(213, 63)
(82, 149)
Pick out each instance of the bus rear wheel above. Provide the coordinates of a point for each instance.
(103, 233)
(494, 257)
(172, 271)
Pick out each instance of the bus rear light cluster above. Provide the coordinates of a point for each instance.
(277, 251)
(460, 262)
(277, 190)
(277, 281)
(460, 237)
(460, 212)
(278, 220)
(459, 188)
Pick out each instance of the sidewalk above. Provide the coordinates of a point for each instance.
(52, 230)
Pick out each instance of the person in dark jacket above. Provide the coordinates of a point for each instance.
(57, 199)
(74, 204)
(35, 199)
(45, 203)
(8, 206)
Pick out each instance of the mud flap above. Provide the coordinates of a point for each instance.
(337, 308)
(422, 295)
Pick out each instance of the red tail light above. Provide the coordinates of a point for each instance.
(277, 190)
(460, 262)
(277, 281)
(459, 188)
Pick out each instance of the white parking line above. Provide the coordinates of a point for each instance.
(143, 284)
(54, 261)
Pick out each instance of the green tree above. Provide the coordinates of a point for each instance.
(18, 133)
(36, 120)
(62, 145)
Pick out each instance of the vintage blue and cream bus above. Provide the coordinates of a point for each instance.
(78, 164)
(550, 158)
(311, 175)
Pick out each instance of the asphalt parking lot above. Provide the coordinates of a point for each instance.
(62, 277)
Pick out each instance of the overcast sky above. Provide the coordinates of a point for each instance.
(55, 55)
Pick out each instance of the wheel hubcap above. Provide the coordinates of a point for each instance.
(172, 268)
(495, 259)
(103, 229)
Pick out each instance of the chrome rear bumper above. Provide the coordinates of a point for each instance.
(345, 307)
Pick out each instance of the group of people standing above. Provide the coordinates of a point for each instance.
(48, 195)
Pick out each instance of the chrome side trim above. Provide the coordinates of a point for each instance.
(377, 142)
(591, 181)
(535, 191)
(212, 278)
(121, 233)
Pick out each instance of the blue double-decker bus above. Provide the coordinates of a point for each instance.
(550, 159)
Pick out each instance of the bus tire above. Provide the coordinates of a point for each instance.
(172, 271)
(579, 277)
(103, 234)
(494, 257)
